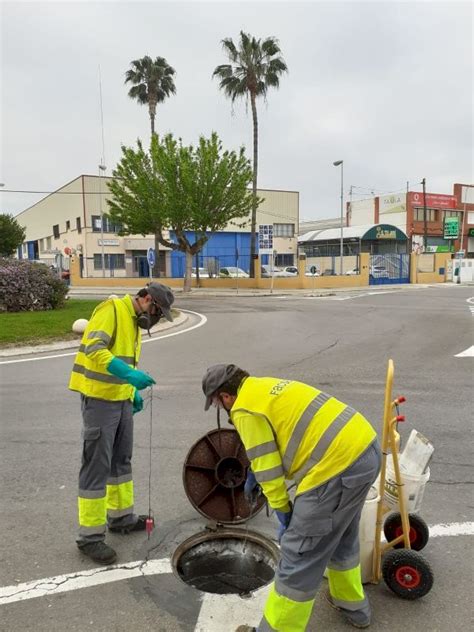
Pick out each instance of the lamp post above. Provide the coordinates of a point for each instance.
(102, 168)
(340, 163)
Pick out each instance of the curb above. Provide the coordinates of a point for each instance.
(74, 344)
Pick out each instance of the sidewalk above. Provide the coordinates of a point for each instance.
(74, 344)
(243, 292)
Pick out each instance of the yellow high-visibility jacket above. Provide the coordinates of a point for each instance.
(111, 331)
(295, 431)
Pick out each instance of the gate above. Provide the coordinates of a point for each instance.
(388, 269)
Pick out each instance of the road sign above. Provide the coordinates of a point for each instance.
(313, 270)
(151, 257)
(265, 239)
(451, 227)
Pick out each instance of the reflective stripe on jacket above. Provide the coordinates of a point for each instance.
(292, 430)
(111, 331)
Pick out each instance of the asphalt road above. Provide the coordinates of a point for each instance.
(339, 345)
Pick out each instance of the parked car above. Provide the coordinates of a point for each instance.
(293, 270)
(231, 272)
(379, 272)
(203, 273)
(266, 271)
(353, 272)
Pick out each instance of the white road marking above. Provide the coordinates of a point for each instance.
(336, 298)
(83, 579)
(470, 300)
(202, 322)
(451, 529)
(216, 608)
(468, 353)
(227, 612)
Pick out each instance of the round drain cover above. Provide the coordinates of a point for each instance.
(214, 475)
(226, 562)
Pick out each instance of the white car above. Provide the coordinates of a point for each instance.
(266, 272)
(379, 272)
(203, 273)
(353, 272)
(231, 272)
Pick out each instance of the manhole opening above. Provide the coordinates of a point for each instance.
(226, 563)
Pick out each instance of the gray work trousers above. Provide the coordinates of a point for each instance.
(324, 532)
(105, 477)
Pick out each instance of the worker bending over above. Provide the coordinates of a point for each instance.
(291, 430)
(106, 376)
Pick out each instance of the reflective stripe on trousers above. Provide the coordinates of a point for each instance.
(105, 478)
(323, 532)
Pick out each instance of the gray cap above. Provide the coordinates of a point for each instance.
(163, 296)
(215, 377)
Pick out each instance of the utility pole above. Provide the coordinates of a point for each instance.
(425, 224)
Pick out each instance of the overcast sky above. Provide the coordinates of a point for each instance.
(385, 86)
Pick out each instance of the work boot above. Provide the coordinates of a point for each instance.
(100, 552)
(356, 618)
(246, 628)
(139, 525)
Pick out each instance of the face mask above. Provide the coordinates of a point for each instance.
(148, 321)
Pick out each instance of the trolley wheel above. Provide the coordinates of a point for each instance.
(419, 531)
(407, 573)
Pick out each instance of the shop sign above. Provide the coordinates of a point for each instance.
(437, 249)
(394, 203)
(384, 233)
(451, 227)
(433, 200)
(471, 232)
(108, 242)
(265, 239)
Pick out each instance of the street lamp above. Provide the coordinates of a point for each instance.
(340, 163)
(102, 168)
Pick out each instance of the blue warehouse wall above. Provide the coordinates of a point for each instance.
(223, 247)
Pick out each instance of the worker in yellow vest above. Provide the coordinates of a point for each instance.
(294, 431)
(105, 375)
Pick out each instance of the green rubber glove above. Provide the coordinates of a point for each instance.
(138, 379)
(137, 402)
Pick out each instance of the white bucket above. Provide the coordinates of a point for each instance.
(367, 533)
(413, 488)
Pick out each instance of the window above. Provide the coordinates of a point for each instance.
(452, 214)
(112, 261)
(431, 215)
(283, 230)
(470, 218)
(56, 231)
(48, 243)
(68, 225)
(78, 225)
(108, 224)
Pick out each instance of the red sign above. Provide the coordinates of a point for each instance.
(433, 200)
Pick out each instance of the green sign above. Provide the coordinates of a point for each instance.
(471, 232)
(451, 227)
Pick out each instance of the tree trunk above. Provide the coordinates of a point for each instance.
(254, 186)
(187, 276)
(152, 111)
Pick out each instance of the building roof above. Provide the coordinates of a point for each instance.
(350, 232)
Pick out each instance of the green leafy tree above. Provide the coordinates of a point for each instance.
(12, 235)
(255, 66)
(152, 82)
(183, 189)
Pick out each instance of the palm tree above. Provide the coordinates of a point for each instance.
(255, 66)
(152, 82)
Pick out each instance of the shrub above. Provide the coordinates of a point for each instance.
(29, 286)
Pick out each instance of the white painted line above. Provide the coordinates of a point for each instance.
(470, 300)
(468, 353)
(83, 579)
(202, 322)
(214, 607)
(451, 529)
(227, 612)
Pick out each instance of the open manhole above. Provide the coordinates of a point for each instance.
(232, 561)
